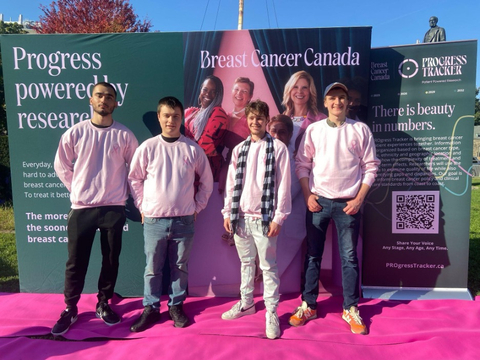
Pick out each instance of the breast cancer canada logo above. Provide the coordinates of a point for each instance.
(408, 68)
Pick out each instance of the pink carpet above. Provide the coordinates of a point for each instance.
(421, 329)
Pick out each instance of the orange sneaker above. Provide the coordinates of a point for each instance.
(352, 317)
(302, 314)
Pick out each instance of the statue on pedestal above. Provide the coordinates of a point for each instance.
(435, 33)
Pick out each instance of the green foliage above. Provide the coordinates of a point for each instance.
(8, 263)
(90, 16)
(7, 222)
(11, 28)
(8, 252)
(5, 177)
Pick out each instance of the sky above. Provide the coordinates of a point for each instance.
(393, 22)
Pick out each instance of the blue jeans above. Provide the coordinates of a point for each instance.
(347, 230)
(172, 237)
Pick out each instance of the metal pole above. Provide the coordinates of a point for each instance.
(240, 14)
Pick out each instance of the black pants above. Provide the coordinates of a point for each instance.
(82, 227)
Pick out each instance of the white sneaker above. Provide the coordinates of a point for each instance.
(237, 311)
(273, 325)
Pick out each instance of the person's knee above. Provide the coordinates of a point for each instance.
(350, 259)
(247, 260)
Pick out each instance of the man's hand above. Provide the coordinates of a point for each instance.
(227, 225)
(310, 199)
(312, 203)
(142, 218)
(353, 207)
(273, 229)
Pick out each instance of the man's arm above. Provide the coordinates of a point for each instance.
(205, 186)
(229, 185)
(354, 205)
(227, 225)
(136, 178)
(64, 159)
(132, 145)
(303, 169)
(310, 198)
(130, 149)
(369, 161)
(273, 229)
(283, 184)
(369, 164)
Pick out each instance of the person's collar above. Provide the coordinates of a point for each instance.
(332, 124)
(259, 139)
(170, 139)
(100, 126)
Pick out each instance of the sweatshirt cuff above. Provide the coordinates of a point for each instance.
(279, 219)
(369, 180)
(302, 174)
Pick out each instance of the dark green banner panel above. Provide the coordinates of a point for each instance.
(416, 234)
(48, 83)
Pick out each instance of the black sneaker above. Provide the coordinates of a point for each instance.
(149, 316)
(179, 318)
(105, 313)
(67, 318)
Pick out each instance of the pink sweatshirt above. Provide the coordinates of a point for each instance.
(162, 176)
(93, 163)
(337, 160)
(250, 201)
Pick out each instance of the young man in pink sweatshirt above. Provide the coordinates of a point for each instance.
(336, 164)
(92, 161)
(162, 177)
(257, 202)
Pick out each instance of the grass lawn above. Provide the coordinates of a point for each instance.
(8, 251)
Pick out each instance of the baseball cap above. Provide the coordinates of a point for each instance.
(332, 86)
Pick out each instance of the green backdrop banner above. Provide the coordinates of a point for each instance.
(417, 218)
(48, 81)
(420, 107)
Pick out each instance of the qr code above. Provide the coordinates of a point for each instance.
(415, 212)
